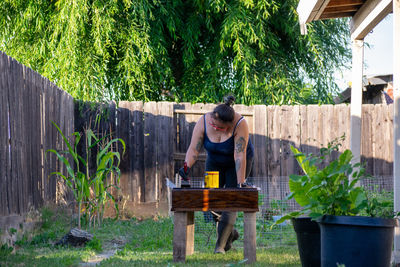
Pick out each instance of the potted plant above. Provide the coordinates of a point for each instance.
(352, 231)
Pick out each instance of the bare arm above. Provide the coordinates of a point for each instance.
(196, 143)
(241, 139)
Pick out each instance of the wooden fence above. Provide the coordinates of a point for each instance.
(28, 105)
(157, 136)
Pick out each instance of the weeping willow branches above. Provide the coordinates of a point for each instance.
(176, 50)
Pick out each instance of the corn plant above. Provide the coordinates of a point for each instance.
(107, 162)
(91, 191)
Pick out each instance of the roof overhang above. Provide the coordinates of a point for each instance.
(366, 14)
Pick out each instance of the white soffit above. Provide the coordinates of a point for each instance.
(310, 10)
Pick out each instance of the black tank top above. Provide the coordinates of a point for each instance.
(223, 152)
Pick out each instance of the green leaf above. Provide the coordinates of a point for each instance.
(299, 192)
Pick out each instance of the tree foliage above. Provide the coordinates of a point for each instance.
(176, 50)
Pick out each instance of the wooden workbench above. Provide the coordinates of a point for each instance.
(185, 201)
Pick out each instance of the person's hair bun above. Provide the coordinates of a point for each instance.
(229, 100)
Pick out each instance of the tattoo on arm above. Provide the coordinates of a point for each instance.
(237, 164)
(199, 144)
(240, 144)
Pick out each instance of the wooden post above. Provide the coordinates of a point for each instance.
(396, 121)
(356, 99)
(250, 237)
(183, 243)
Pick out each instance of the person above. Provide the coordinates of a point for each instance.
(224, 134)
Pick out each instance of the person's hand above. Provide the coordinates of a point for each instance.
(245, 184)
(184, 172)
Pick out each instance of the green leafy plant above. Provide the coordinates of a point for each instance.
(328, 190)
(5, 250)
(333, 189)
(12, 231)
(91, 190)
(47, 218)
(380, 203)
(276, 207)
(94, 244)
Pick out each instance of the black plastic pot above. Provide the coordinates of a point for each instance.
(308, 241)
(356, 241)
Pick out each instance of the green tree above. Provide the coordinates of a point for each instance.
(176, 50)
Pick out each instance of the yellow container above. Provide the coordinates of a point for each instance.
(211, 179)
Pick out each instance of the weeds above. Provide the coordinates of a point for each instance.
(5, 250)
(95, 244)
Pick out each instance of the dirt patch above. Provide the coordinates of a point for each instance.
(110, 248)
(130, 209)
(98, 258)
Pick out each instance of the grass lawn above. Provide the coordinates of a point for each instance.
(134, 243)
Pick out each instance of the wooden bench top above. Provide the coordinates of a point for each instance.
(216, 199)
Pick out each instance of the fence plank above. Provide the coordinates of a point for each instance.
(260, 141)
(185, 130)
(12, 183)
(328, 124)
(379, 149)
(331, 120)
(367, 139)
(123, 132)
(303, 128)
(274, 147)
(71, 130)
(383, 156)
(198, 169)
(52, 135)
(342, 112)
(134, 140)
(60, 102)
(47, 179)
(150, 151)
(165, 155)
(4, 139)
(387, 176)
(182, 133)
(15, 82)
(28, 106)
(289, 135)
(56, 117)
(137, 137)
(389, 158)
(314, 132)
(66, 195)
(323, 135)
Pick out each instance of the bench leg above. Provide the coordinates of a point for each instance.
(250, 237)
(183, 235)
